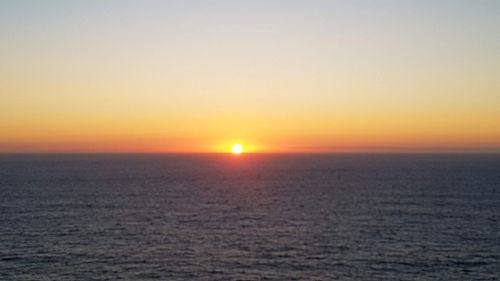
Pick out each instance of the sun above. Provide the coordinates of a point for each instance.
(237, 148)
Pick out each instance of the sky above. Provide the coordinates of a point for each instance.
(275, 76)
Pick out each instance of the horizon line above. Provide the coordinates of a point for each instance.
(253, 153)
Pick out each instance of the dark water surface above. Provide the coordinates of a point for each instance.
(253, 217)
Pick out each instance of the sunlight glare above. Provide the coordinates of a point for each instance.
(237, 148)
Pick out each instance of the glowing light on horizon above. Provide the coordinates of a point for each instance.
(237, 148)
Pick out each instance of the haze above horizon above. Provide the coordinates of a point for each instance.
(275, 76)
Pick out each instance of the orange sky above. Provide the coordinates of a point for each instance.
(276, 76)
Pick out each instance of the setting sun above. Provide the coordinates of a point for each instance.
(237, 148)
(246, 138)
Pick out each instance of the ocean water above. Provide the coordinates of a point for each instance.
(250, 217)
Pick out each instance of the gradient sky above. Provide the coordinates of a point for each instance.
(277, 76)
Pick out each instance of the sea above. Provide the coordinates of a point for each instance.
(250, 217)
